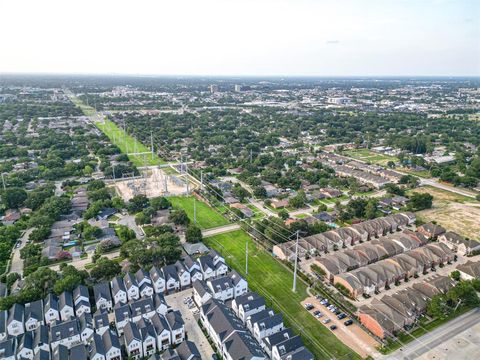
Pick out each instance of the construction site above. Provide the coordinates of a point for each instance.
(155, 181)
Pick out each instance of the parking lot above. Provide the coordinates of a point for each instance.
(192, 329)
(353, 336)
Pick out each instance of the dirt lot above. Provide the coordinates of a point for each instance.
(353, 336)
(154, 182)
(461, 218)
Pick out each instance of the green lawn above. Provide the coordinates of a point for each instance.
(87, 110)
(272, 280)
(370, 156)
(129, 144)
(206, 216)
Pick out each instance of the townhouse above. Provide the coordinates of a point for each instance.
(81, 300)
(400, 311)
(66, 333)
(33, 315)
(15, 320)
(470, 270)
(51, 309)
(458, 243)
(65, 305)
(119, 292)
(103, 297)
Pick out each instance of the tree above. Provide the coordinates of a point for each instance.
(95, 185)
(394, 189)
(13, 198)
(420, 201)
(118, 203)
(193, 234)
(160, 203)
(455, 275)
(39, 234)
(11, 278)
(283, 214)
(70, 279)
(142, 218)
(259, 192)
(105, 269)
(124, 233)
(371, 209)
(298, 200)
(179, 217)
(322, 207)
(137, 203)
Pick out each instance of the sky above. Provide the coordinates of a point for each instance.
(242, 37)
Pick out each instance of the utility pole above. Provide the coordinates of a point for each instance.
(194, 210)
(3, 181)
(201, 180)
(246, 257)
(151, 142)
(113, 171)
(296, 260)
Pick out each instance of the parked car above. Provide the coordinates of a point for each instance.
(316, 312)
(348, 322)
(342, 316)
(333, 327)
(337, 311)
(326, 321)
(324, 302)
(309, 306)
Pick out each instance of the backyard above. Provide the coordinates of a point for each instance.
(274, 281)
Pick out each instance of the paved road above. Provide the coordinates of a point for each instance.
(220, 230)
(262, 208)
(436, 337)
(129, 220)
(17, 263)
(438, 185)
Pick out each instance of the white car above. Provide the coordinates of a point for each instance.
(326, 321)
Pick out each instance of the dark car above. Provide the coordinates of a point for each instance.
(337, 312)
(333, 327)
(215, 357)
(342, 316)
(348, 322)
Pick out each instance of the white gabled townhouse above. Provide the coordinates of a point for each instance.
(161, 306)
(261, 315)
(267, 327)
(100, 322)
(41, 339)
(250, 307)
(15, 320)
(33, 315)
(177, 326)
(240, 285)
(25, 346)
(172, 282)
(149, 337)
(221, 288)
(3, 324)
(201, 293)
(85, 323)
(50, 309)
(158, 280)
(133, 341)
(207, 267)
(81, 300)
(123, 315)
(144, 283)
(66, 333)
(112, 346)
(96, 350)
(119, 292)
(66, 306)
(103, 298)
(133, 292)
(143, 308)
(183, 275)
(162, 329)
(7, 349)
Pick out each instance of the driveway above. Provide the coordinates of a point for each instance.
(17, 263)
(129, 220)
(220, 230)
(192, 329)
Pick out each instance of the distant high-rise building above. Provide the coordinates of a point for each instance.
(213, 88)
(238, 88)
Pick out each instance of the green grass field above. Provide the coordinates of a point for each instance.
(87, 110)
(274, 281)
(129, 144)
(370, 156)
(206, 216)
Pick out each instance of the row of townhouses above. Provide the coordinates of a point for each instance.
(240, 324)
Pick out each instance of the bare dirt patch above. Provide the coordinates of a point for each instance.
(154, 182)
(461, 218)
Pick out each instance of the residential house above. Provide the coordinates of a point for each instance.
(287, 347)
(469, 270)
(142, 308)
(431, 230)
(133, 341)
(103, 298)
(66, 306)
(148, 335)
(123, 315)
(51, 309)
(268, 342)
(112, 346)
(177, 326)
(65, 333)
(119, 292)
(15, 320)
(162, 330)
(85, 323)
(100, 322)
(458, 243)
(267, 326)
(133, 291)
(172, 282)
(201, 293)
(33, 315)
(158, 280)
(144, 283)
(81, 299)
(25, 346)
